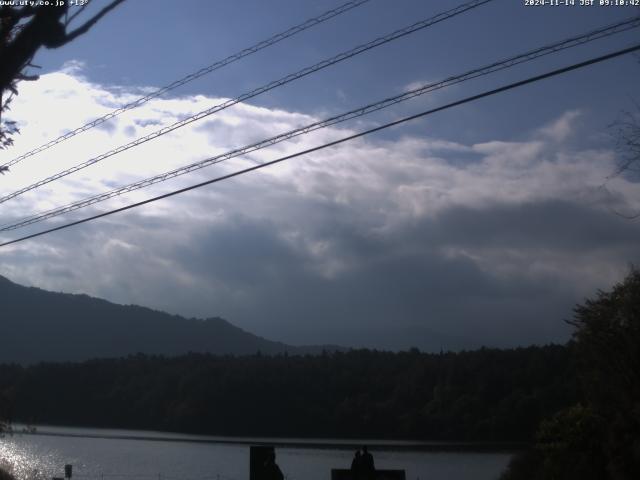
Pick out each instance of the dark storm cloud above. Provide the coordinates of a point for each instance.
(553, 224)
(402, 292)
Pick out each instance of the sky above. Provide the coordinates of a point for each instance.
(482, 225)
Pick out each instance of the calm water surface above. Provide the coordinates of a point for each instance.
(96, 455)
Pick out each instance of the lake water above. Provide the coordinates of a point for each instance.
(135, 455)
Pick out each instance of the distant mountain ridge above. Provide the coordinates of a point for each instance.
(37, 325)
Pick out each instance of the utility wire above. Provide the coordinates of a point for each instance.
(473, 98)
(367, 109)
(312, 22)
(265, 88)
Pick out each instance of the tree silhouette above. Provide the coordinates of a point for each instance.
(23, 31)
(626, 131)
(627, 135)
(600, 439)
(608, 343)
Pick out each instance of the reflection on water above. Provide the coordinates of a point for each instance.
(43, 457)
(26, 463)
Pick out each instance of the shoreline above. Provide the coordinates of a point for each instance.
(301, 443)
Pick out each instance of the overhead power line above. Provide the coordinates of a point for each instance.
(571, 42)
(258, 91)
(312, 22)
(473, 98)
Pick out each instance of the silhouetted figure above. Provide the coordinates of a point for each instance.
(271, 469)
(356, 466)
(367, 468)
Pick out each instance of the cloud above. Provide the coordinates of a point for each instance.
(561, 128)
(388, 242)
(411, 86)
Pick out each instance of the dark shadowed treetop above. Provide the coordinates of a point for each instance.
(608, 338)
(608, 343)
(599, 439)
(4, 475)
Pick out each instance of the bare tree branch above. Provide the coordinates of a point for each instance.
(90, 23)
(78, 12)
(627, 135)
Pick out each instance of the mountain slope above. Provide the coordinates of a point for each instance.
(37, 325)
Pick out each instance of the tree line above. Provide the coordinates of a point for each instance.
(482, 395)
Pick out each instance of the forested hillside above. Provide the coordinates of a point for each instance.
(37, 325)
(487, 394)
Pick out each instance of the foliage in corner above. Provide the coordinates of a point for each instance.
(599, 439)
(569, 443)
(24, 29)
(607, 340)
